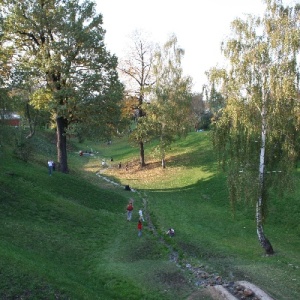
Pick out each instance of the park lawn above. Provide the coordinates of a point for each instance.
(66, 236)
(191, 196)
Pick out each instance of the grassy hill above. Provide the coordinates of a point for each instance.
(66, 236)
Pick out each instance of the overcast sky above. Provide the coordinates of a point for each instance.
(200, 27)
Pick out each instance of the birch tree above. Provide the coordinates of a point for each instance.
(257, 133)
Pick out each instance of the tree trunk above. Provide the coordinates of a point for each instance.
(142, 154)
(140, 114)
(163, 163)
(30, 122)
(264, 242)
(62, 144)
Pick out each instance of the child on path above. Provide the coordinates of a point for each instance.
(140, 227)
(141, 215)
(129, 211)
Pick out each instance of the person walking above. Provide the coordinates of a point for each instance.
(50, 166)
(140, 228)
(141, 215)
(129, 211)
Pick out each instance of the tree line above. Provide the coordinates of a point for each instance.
(55, 69)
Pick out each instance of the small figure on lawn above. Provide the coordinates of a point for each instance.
(50, 166)
(141, 215)
(170, 232)
(129, 210)
(140, 228)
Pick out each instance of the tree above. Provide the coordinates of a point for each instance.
(257, 131)
(6, 105)
(21, 88)
(137, 69)
(61, 43)
(169, 111)
(201, 112)
(214, 98)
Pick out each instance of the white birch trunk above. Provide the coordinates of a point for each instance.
(259, 204)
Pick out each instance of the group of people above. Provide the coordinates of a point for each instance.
(141, 218)
(170, 232)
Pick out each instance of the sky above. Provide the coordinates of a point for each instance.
(200, 26)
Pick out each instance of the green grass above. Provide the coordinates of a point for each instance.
(191, 196)
(62, 237)
(66, 236)
(208, 231)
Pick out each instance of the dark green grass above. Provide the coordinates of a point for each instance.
(208, 230)
(64, 238)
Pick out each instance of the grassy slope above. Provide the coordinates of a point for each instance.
(191, 196)
(64, 236)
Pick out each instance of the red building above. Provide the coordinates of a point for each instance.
(11, 119)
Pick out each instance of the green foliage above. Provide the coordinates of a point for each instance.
(169, 111)
(261, 93)
(23, 149)
(62, 62)
(214, 98)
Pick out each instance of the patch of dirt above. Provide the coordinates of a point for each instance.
(147, 174)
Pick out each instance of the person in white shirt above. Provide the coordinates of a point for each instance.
(170, 232)
(141, 215)
(50, 166)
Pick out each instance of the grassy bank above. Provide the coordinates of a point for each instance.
(63, 237)
(66, 236)
(191, 196)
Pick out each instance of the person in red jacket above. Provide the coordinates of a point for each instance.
(140, 227)
(129, 211)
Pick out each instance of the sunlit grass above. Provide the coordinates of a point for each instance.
(191, 196)
(66, 236)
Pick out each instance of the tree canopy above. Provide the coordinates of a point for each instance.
(257, 132)
(137, 70)
(169, 111)
(60, 46)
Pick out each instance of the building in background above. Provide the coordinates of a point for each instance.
(10, 118)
